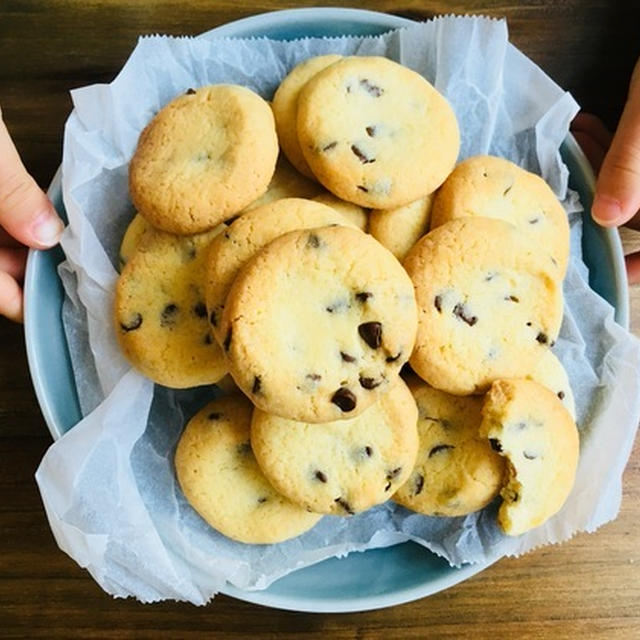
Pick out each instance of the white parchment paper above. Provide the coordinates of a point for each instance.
(108, 485)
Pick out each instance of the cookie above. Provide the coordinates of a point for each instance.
(456, 471)
(286, 183)
(528, 425)
(220, 478)
(399, 229)
(496, 188)
(319, 324)
(246, 236)
(352, 212)
(136, 230)
(160, 312)
(203, 158)
(342, 467)
(550, 373)
(285, 108)
(489, 302)
(376, 133)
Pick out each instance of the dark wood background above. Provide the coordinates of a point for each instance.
(588, 586)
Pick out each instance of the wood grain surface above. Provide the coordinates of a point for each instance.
(589, 586)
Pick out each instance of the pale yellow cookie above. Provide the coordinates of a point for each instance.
(376, 133)
(246, 236)
(494, 187)
(285, 108)
(527, 424)
(203, 158)
(352, 212)
(136, 230)
(160, 312)
(456, 471)
(341, 467)
(399, 229)
(220, 478)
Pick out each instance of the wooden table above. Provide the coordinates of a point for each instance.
(588, 586)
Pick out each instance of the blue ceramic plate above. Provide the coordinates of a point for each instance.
(361, 581)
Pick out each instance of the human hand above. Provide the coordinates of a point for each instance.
(27, 217)
(616, 160)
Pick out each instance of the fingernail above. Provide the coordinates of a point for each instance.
(605, 210)
(47, 229)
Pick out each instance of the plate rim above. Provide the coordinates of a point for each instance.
(264, 597)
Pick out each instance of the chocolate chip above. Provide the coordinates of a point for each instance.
(214, 416)
(393, 358)
(361, 155)
(363, 296)
(257, 384)
(227, 341)
(495, 444)
(504, 193)
(371, 88)
(168, 315)
(346, 357)
(437, 302)
(371, 333)
(369, 383)
(243, 448)
(561, 395)
(534, 220)
(313, 241)
(132, 324)
(368, 450)
(207, 339)
(529, 324)
(344, 399)
(510, 495)
(314, 376)
(394, 473)
(320, 476)
(362, 188)
(512, 298)
(345, 505)
(262, 500)
(330, 146)
(190, 92)
(190, 252)
(371, 131)
(419, 484)
(440, 447)
(460, 311)
(200, 309)
(213, 318)
(529, 456)
(542, 338)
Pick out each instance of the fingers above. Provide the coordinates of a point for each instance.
(633, 268)
(617, 197)
(10, 297)
(25, 211)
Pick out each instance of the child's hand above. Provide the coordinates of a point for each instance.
(617, 160)
(27, 217)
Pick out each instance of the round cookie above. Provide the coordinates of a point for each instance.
(320, 323)
(550, 373)
(352, 212)
(136, 230)
(203, 158)
(376, 133)
(160, 314)
(493, 187)
(286, 183)
(489, 304)
(220, 478)
(285, 108)
(399, 229)
(456, 472)
(528, 425)
(246, 236)
(342, 467)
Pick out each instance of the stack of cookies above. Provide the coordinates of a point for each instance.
(313, 280)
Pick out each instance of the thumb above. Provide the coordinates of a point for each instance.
(25, 211)
(617, 196)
